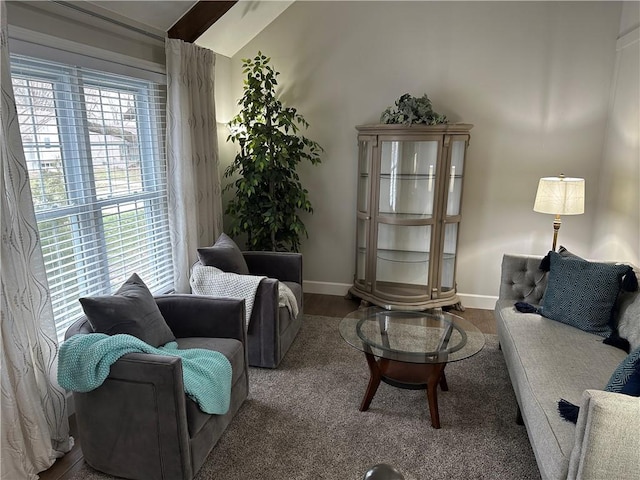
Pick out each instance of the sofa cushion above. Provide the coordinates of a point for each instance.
(225, 255)
(131, 310)
(626, 378)
(582, 293)
(546, 361)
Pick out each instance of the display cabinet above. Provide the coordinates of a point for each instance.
(408, 214)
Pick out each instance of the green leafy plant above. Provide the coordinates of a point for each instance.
(268, 191)
(409, 109)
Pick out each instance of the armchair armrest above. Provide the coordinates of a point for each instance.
(203, 316)
(120, 407)
(284, 266)
(606, 442)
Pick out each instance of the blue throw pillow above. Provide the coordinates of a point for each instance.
(582, 293)
(626, 378)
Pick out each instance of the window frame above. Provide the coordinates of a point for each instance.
(84, 208)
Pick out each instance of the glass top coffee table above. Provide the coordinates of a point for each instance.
(409, 349)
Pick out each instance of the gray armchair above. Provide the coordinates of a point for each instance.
(139, 424)
(271, 329)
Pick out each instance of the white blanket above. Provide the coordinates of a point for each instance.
(213, 281)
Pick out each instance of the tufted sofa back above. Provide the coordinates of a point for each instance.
(521, 279)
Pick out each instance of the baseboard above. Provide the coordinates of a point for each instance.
(482, 302)
(326, 288)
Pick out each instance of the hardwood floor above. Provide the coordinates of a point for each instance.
(314, 304)
(333, 306)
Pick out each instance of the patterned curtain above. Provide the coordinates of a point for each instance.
(35, 428)
(195, 200)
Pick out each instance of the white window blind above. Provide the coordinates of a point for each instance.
(93, 142)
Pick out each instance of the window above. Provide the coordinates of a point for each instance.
(93, 142)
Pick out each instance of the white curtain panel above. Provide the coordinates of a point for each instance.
(35, 428)
(195, 200)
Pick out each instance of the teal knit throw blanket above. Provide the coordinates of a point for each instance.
(85, 360)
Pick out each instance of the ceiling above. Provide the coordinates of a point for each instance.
(227, 36)
(161, 15)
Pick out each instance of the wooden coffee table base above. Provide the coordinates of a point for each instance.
(412, 376)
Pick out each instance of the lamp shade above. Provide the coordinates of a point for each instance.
(560, 196)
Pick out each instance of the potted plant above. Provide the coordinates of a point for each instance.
(268, 192)
(409, 110)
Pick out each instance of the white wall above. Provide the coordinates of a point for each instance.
(533, 77)
(616, 235)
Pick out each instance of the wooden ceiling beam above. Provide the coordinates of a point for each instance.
(198, 19)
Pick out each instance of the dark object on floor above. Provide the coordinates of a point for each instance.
(382, 471)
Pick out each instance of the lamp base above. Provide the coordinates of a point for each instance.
(556, 227)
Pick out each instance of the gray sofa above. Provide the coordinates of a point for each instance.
(548, 360)
(140, 424)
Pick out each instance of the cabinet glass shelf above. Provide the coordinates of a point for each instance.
(410, 176)
(400, 216)
(403, 256)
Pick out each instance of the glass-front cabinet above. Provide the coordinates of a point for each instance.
(409, 197)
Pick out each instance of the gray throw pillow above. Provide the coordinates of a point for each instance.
(582, 293)
(131, 310)
(225, 255)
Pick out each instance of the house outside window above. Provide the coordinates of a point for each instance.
(93, 143)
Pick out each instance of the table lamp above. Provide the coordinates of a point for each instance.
(559, 196)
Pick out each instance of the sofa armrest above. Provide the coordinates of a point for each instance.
(284, 266)
(143, 400)
(203, 316)
(606, 442)
(521, 280)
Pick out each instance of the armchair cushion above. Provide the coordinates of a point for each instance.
(233, 350)
(225, 255)
(132, 310)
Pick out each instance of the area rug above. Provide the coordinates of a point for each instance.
(301, 421)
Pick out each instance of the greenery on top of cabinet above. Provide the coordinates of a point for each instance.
(409, 109)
